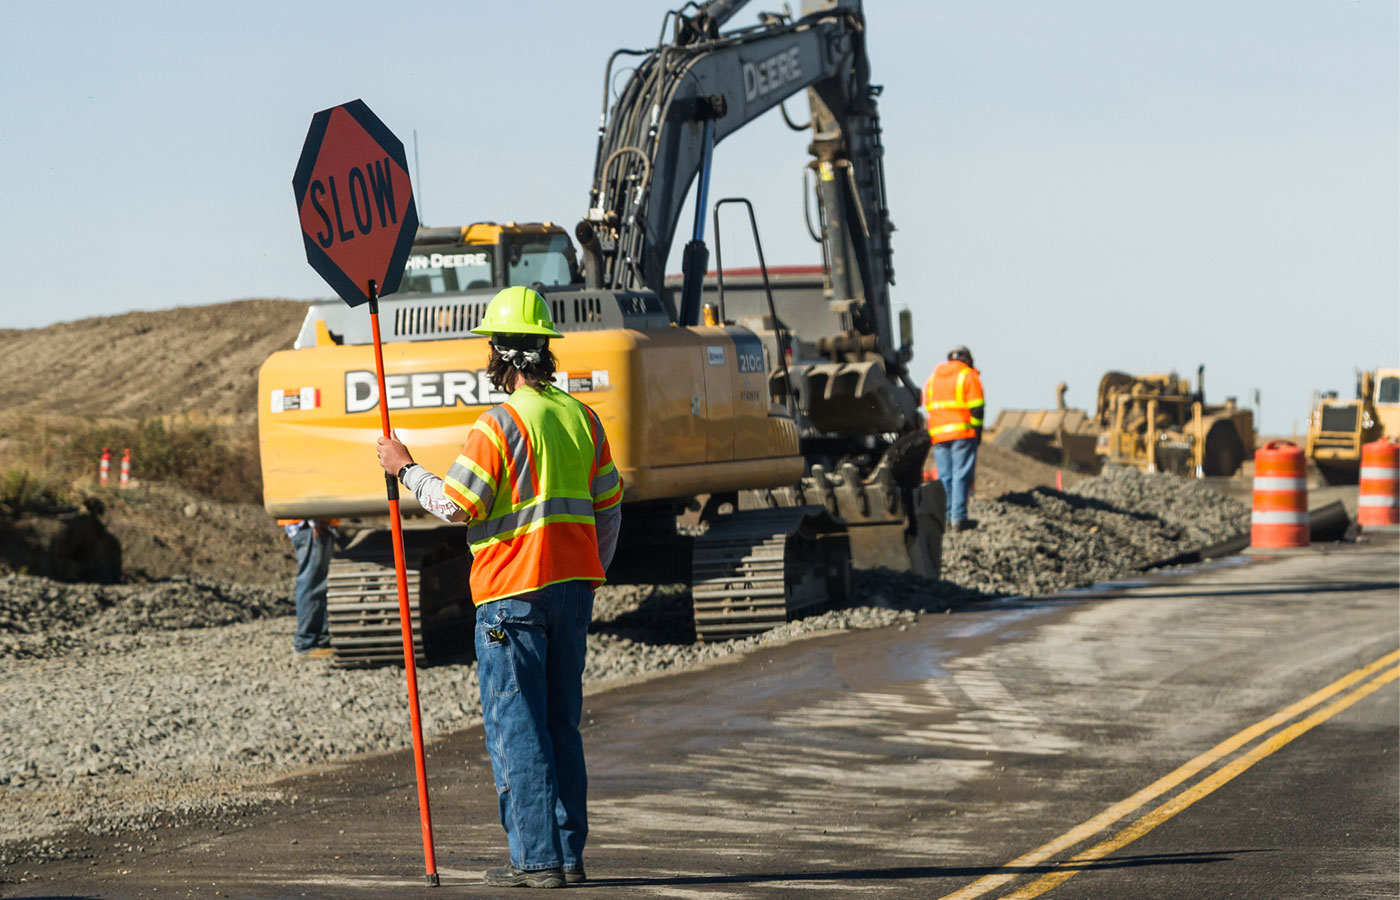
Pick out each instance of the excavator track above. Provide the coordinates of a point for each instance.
(362, 602)
(755, 569)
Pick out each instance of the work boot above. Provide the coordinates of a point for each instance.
(965, 525)
(315, 653)
(575, 876)
(510, 876)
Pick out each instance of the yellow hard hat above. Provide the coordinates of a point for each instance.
(517, 310)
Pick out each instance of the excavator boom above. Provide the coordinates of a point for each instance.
(684, 98)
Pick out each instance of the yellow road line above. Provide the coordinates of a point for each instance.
(1201, 789)
(1119, 810)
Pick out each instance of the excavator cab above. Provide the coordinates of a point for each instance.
(487, 255)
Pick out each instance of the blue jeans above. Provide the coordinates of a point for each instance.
(957, 464)
(313, 571)
(530, 651)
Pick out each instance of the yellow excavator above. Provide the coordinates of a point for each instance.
(784, 412)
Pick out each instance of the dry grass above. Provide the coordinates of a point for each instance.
(62, 454)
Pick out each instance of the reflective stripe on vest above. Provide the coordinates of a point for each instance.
(517, 451)
(958, 417)
(540, 513)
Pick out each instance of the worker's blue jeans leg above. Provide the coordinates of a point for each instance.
(313, 572)
(957, 465)
(530, 651)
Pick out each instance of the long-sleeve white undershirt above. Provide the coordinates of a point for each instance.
(427, 487)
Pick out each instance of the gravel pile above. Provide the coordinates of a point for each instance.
(1036, 542)
(126, 704)
(40, 618)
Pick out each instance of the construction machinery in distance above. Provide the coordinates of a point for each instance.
(780, 408)
(1154, 422)
(1337, 428)
(1062, 436)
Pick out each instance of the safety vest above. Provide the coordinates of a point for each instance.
(954, 403)
(531, 475)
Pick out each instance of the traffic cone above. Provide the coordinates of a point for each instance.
(105, 467)
(1378, 500)
(126, 467)
(1280, 517)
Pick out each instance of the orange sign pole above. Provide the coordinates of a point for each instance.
(405, 623)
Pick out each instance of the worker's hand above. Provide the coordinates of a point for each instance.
(393, 455)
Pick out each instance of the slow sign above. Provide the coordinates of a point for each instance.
(355, 202)
(358, 222)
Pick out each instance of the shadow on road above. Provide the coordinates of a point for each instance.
(896, 873)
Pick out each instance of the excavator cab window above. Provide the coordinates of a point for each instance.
(1388, 390)
(546, 259)
(445, 269)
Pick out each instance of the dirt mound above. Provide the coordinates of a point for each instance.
(1000, 470)
(149, 532)
(196, 360)
(69, 545)
(166, 531)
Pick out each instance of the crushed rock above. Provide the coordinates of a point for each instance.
(1039, 541)
(124, 702)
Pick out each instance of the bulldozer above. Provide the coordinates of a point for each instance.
(1158, 424)
(1154, 422)
(1338, 428)
(786, 416)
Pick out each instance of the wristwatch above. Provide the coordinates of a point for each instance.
(404, 471)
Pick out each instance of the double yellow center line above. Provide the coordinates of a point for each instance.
(1118, 811)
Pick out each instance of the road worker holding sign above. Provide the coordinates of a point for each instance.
(536, 484)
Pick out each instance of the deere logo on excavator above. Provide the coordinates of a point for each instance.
(420, 390)
(772, 73)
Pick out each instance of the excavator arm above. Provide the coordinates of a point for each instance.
(687, 95)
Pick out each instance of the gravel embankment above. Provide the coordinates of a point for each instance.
(1040, 541)
(127, 704)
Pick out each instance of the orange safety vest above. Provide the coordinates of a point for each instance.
(954, 403)
(530, 477)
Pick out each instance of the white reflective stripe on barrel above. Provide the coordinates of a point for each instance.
(1278, 518)
(1268, 483)
(1377, 500)
(1379, 473)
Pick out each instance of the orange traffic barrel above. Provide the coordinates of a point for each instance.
(1379, 500)
(1280, 516)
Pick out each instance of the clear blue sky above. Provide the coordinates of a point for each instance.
(1078, 186)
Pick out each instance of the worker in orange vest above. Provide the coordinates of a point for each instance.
(954, 403)
(537, 487)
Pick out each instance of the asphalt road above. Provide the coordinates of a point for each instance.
(1229, 731)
